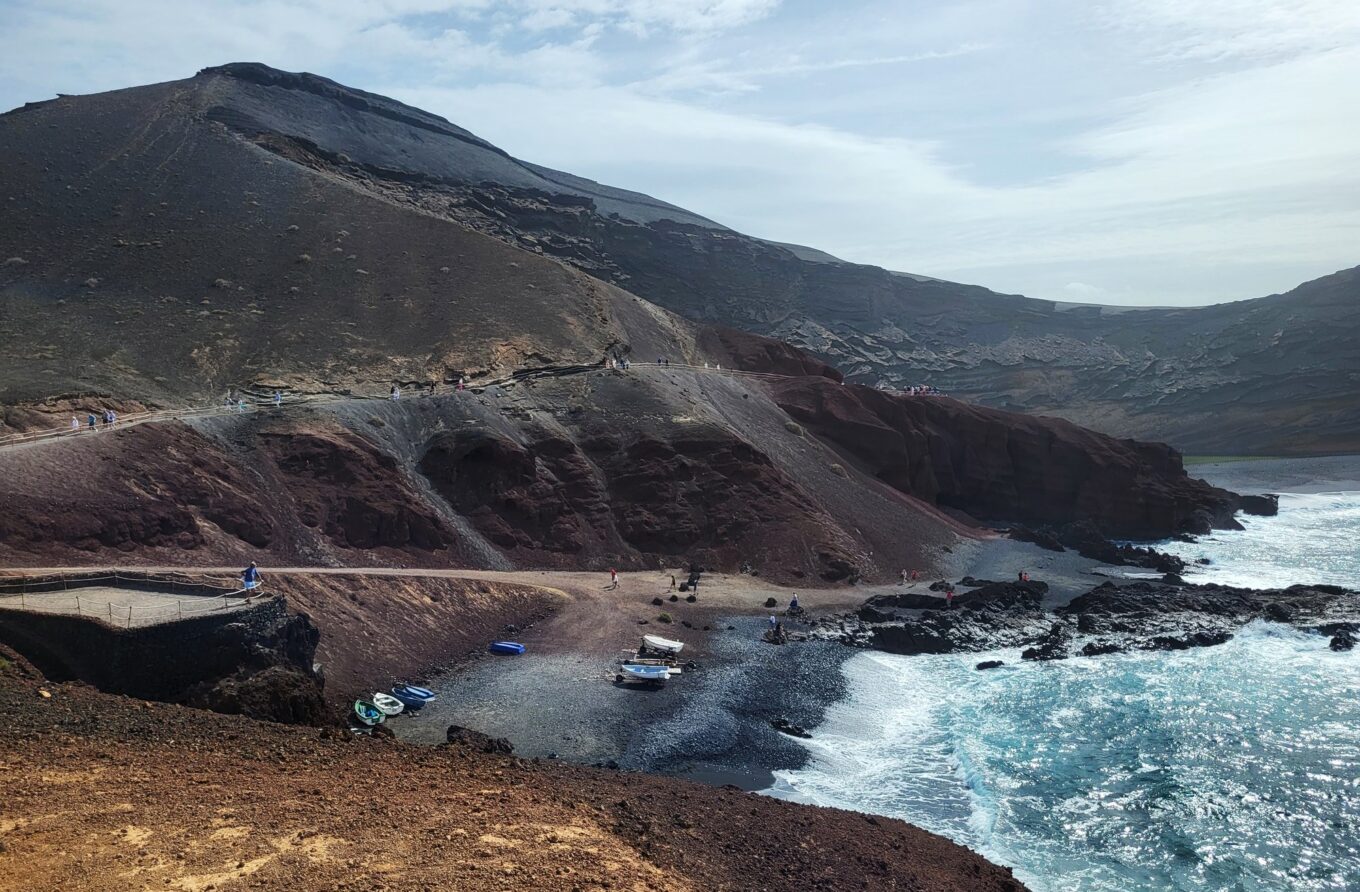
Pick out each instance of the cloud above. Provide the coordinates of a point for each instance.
(1163, 151)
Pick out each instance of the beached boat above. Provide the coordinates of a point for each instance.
(637, 672)
(664, 645)
(411, 696)
(387, 703)
(368, 713)
(510, 648)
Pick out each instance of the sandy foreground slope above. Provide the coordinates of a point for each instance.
(105, 792)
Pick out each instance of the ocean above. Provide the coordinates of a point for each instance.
(1227, 768)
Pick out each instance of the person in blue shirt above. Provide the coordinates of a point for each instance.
(250, 576)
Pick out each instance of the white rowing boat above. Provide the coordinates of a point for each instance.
(665, 645)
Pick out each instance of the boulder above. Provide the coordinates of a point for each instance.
(477, 741)
(1267, 505)
(990, 664)
(784, 726)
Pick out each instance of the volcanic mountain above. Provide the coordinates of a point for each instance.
(254, 230)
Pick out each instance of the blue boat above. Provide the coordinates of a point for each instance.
(635, 672)
(411, 696)
(511, 648)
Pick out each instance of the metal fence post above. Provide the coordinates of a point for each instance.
(77, 605)
(110, 613)
(129, 622)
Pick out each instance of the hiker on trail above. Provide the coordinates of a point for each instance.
(460, 383)
(75, 423)
(613, 578)
(113, 418)
(108, 419)
(949, 599)
(793, 605)
(92, 421)
(241, 406)
(250, 577)
(904, 577)
(278, 399)
(672, 588)
(396, 392)
(915, 575)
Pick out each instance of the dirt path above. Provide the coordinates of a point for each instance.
(597, 616)
(36, 438)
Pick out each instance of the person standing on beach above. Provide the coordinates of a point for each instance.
(949, 599)
(613, 578)
(672, 588)
(904, 577)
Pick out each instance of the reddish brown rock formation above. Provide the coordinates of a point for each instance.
(1003, 466)
(148, 487)
(692, 493)
(351, 492)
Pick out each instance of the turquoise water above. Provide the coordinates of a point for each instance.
(1227, 768)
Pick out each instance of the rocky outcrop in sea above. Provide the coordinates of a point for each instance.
(1110, 618)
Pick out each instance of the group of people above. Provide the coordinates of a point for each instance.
(922, 390)
(110, 418)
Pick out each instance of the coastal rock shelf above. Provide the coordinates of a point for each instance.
(1110, 618)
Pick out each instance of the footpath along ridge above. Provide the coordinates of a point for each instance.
(256, 403)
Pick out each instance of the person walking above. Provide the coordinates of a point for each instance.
(250, 577)
(75, 423)
(949, 599)
(613, 578)
(672, 588)
(278, 399)
(92, 421)
(113, 418)
(395, 392)
(241, 406)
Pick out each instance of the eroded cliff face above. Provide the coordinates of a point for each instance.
(1006, 467)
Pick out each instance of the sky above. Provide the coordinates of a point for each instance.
(1158, 152)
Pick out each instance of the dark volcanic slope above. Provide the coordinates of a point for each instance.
(1274, 375)
(152, 251)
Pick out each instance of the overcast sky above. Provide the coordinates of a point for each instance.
(1136, 151)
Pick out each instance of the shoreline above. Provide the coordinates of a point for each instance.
(712, 725)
